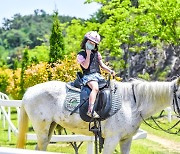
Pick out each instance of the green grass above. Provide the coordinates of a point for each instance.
(145, 146)
(141, 146)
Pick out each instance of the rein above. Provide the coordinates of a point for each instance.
(175, 102)
(160, 128)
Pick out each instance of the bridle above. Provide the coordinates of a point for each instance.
(175, 102)
(176, 108)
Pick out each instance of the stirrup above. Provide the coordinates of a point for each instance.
(94, 126)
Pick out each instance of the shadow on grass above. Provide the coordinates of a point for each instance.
(31, 143)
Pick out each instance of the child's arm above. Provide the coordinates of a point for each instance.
(105, 67)
(84, 62)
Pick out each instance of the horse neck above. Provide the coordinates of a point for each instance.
(153, 97)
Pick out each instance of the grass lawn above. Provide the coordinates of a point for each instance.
(142, 146)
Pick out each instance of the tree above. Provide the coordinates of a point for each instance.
(133, 26)
(56, 41)
(24, 66)
(29, 30)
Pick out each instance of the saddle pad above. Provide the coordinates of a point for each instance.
(72, 98)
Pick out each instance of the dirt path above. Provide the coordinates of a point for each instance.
(175, 146)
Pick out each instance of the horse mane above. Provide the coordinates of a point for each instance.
(149, 92)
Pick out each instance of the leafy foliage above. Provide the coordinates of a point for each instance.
(39, 54)
(15, 82)
(25, 60)
(30, 30)
(5, 75)
(56, 41)
(150, 22)
(130, 30)
(75, 33)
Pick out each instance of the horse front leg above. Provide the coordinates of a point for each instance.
(125, 145)
(110, 144)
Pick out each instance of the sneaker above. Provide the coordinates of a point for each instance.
(89, 114)
(95, 115)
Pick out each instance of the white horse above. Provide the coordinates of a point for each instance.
(43, 105)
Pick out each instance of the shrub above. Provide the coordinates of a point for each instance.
(5, 75)
(35, 74)
(64, 70)
(13, 88)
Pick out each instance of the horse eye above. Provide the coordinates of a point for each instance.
(179, 97)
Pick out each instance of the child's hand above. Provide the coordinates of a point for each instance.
(88, 52)
(113, 73)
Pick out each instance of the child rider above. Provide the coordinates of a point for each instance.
(90, 61)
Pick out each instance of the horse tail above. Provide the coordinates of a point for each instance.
(23, 127)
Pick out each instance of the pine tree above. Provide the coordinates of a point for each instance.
(24, 66)
(56, 41)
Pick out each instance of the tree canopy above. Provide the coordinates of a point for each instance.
(28, 30)
(128, 28)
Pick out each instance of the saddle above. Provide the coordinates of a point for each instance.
(103, 101)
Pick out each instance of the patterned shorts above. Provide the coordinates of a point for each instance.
(92, 77)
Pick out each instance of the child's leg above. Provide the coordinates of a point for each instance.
(92, 97)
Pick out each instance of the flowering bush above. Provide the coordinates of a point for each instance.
(35, 74)
(13, 87)
(64, 70)
(5, 78)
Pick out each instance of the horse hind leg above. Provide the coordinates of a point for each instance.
(51, 130)
(44, 132)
